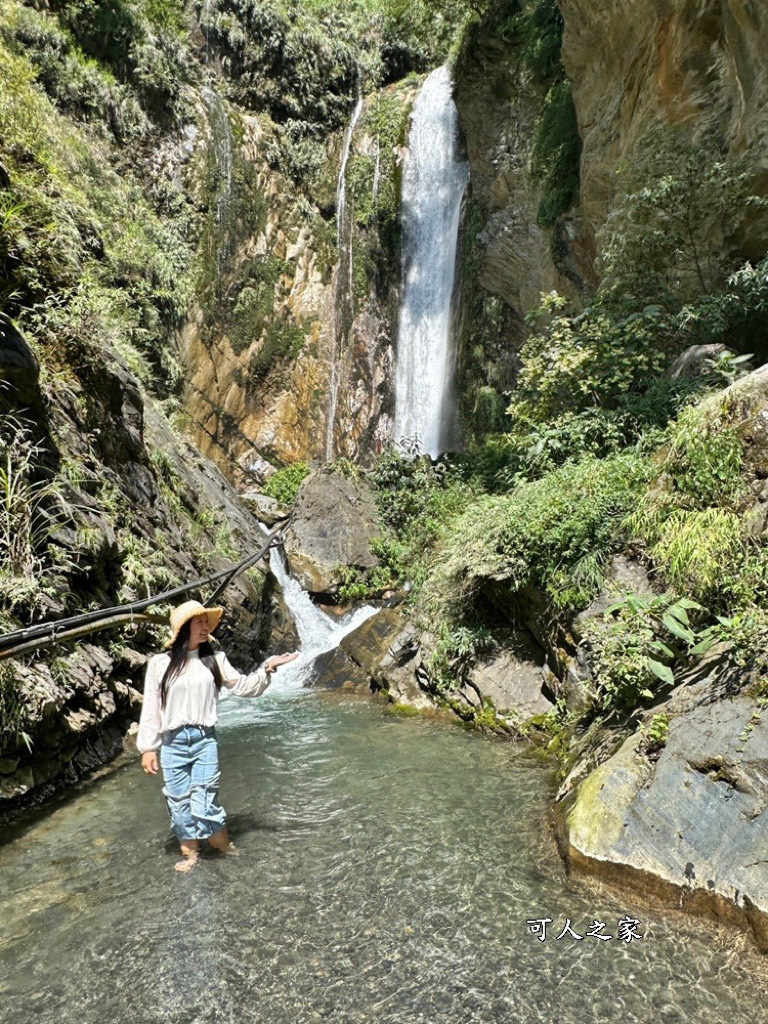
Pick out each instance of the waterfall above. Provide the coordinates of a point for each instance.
(433, 186)
(317, 631)
(205, 27)
(342, 300)
(221, 131)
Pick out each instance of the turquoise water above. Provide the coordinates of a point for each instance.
(388, 868)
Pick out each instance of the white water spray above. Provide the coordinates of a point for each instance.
(433, 187)
(317, 631)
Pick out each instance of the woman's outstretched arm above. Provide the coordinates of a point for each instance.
(256, 682)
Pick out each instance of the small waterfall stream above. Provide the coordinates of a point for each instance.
(433, 186)
(223, 149)
(317, 631)
(342, 299)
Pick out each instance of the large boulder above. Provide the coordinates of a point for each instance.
(382, 654)
(334, 522)
(389, 654)
(685, 820)
(514, 676)
(267, 510)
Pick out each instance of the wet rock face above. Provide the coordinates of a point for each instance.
(334, 522)
(388, 653)
(381, 654)
(260, 371)
(687, 820)
(669, 59)
(19, 368)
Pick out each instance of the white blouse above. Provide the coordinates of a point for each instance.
(192, 697)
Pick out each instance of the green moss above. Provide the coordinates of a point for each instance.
(403, 710)
(597, 815)
(487, 719)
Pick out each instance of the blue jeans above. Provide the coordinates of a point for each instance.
(189, 758)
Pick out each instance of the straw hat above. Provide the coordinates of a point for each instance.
(189, 610)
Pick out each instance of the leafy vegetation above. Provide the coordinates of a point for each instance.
(284, 485)
(87, 252)
(555, 534)
(12, 711)
(636, 646)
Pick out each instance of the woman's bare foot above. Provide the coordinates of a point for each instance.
(220, 841)
(190, 854)
(229, 851)
(188, 861)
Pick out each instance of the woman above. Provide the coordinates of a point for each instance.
(181, 692)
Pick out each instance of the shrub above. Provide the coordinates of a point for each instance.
(555, 534)
(454, 653)
(419, 502)
(634, 649)
(668, 238)
(31, 512)
(284, 485)
(593, 359)
(403, 481)
(12, 713)
(693, 516)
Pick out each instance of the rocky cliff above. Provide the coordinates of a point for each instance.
(289, 354)
(629, 81)
(129, 509)
(702, 66)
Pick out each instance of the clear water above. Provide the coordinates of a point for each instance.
(387, 871)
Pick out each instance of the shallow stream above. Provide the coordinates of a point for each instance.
(387, 873)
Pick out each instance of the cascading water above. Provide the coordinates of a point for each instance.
(317, 631)
(433, 186)
(342, 308)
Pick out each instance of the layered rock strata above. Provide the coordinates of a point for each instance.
(702, 66)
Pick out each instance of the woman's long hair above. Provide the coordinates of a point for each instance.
(178, 660)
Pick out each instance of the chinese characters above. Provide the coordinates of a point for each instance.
(626, 930)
